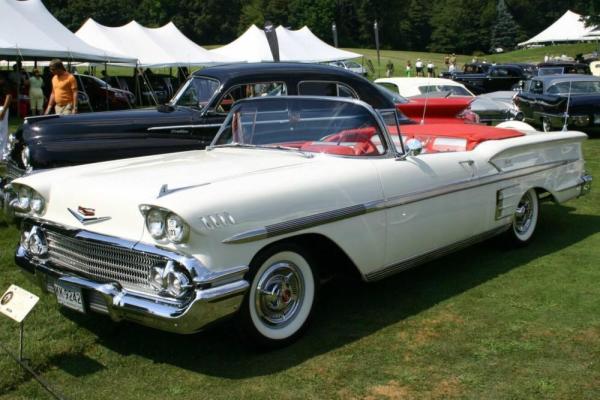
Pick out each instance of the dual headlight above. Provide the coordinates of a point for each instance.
(28, 200)
(164, 224)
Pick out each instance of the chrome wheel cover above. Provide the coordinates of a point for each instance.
(524, 214)
(279, 294)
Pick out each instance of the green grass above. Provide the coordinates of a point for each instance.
(484, 323)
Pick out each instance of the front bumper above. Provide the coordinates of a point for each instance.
(215, 296)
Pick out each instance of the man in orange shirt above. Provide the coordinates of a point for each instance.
(64, 90)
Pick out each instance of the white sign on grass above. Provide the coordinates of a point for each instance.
(16, 303)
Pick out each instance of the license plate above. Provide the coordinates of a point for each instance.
(69, 296)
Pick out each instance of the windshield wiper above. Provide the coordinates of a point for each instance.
(261, 146)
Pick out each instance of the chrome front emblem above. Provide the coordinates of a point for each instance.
(87, 215)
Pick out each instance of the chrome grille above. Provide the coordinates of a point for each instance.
(102, 261)
(13, 171)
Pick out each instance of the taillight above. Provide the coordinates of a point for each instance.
(469, 116)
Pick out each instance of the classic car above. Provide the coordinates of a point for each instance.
(492, 78)
(570, 101)
(97, 95)
(489, 108)
(562, 67)
(190, 120)
(292, 191)
(350, 66)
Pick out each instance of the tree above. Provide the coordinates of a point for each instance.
(505, 30)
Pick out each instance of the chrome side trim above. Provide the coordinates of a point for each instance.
(423, 258)
(471, 183)
(164, 128)
(298, 224)
(310, 221)
(585, 184)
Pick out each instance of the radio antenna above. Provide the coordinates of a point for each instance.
(426, 98)
(566, 115)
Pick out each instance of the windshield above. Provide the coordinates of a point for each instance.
(575, 87)
(305, 124)
(196, 92)
(550, 71)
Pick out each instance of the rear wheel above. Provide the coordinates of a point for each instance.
(525, 218)
(283, 288)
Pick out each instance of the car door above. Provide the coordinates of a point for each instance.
(427, 206)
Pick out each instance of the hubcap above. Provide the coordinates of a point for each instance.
(279, 294)
(524, 214)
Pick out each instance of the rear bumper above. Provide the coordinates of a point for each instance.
(214, 296)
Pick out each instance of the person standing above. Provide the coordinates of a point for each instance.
(430, 67)
(64, 90)
(419, 67)
(389, 69)
(408, 68)
(36, 95)
(5, 99)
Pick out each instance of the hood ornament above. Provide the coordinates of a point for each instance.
(87, 215)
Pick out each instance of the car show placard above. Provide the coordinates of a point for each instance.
(16, 303)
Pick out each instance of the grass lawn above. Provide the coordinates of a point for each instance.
(483, 323)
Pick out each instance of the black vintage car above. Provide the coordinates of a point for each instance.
(562, 67)
(555, 101)
(189, 121)
(485, 78)
(96, 95)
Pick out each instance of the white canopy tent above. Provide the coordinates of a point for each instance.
(153, 47)
(299, 45)
(28, 30)
(568, 28)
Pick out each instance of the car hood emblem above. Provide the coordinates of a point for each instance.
(87, 215)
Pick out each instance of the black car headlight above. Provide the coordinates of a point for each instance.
(25, 157)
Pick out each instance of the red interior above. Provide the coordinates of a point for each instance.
(435, 138)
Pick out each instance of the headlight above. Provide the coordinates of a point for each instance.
(25, 157)
(24, 198)
(12, 140)
(176, 228)
(37, 203)
(155, 222)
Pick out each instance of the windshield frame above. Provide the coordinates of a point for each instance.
(390, 148)
(188, 82)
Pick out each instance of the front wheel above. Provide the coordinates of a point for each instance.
(525, 218)
(546, 124)
(283, 288)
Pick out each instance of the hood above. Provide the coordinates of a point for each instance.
(115, 189)
(436, 109)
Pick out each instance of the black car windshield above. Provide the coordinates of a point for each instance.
(575, 87)
(311, 125)
(196, 92)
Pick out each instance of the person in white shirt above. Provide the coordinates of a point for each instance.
(430, 67)
(419, 67)
(4, 106)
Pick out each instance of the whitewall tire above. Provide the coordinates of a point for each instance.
(279, 303)
(525, 218)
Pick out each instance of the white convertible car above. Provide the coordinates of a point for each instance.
(291, 188)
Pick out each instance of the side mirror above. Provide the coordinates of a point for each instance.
(414, 147)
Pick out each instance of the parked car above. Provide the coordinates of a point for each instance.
(485, 78)
(490, 108)
(291, 189)
(556, 101)
(350, 66)
(96, 95)
(563, 67)
(152, 89)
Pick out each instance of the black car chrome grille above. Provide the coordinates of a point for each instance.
(13, 171)
(103, 262)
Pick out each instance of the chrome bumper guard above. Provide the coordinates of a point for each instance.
(586, 184)
(214, 296)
